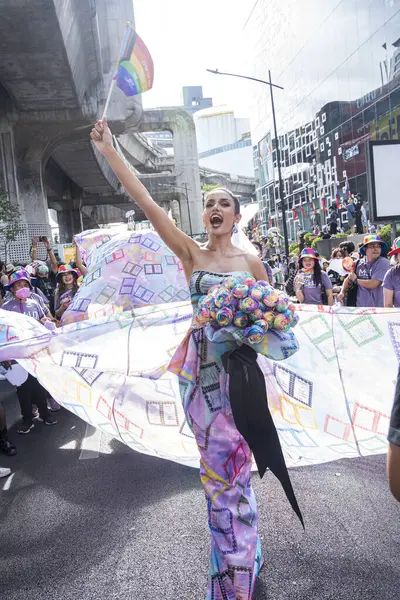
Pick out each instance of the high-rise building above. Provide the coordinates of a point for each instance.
(339, 65)
(193, 99)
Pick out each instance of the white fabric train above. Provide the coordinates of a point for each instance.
(107, 363)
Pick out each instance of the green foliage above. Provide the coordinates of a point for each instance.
(386, 234)
(315, 242)
(342, 235)
(10, 222)
(308, 239)
(294, 249)
(208, 187)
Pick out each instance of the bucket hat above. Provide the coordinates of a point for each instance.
(64, 269)
(20, 275)
(395, 247)
(372, 239)
(307, 253)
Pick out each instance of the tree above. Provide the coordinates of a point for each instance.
(386, 235)
(209, 187)
(10, 222)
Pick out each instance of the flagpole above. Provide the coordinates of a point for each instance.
(110, 91)
(108, 99)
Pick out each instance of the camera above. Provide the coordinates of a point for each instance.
(40, 238)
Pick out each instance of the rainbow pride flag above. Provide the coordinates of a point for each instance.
(135, 72)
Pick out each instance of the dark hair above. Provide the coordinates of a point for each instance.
(335, 252)
(61, 286)
(317, 277)
(258, 245)
(234, 198)
(349, 247)
(271, 263)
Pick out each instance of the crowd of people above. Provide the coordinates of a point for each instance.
(362, 277)
(42, 290)
(356, 278)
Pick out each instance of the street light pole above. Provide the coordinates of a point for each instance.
(188, 209)
(278, 160)
(278, 154)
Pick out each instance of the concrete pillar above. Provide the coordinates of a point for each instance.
(22, 179)
(69, 224)
(187, 172)
(32, 195)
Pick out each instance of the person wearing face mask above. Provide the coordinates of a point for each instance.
(67, 286)
(45, 283)
(369, 273)
(30, 392)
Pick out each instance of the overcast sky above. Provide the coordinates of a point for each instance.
(185, 37)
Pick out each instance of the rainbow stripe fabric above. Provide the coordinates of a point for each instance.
(135, 73)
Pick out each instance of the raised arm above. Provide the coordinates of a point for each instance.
(180, 243)
(35, 241)
(78, 258)
(51, 255)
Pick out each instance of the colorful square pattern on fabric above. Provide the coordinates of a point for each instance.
(319, 332)
(361, 328)
(394, 332)
(294, 385)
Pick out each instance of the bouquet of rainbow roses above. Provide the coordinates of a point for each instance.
(248, 307)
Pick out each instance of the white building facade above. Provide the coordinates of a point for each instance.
(224, 141)
(339, 65)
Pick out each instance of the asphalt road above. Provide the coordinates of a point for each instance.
(118, 525)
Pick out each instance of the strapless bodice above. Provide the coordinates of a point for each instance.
(202, 281)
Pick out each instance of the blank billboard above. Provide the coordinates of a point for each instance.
(384, 167)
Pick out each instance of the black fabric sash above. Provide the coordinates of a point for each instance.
(248, 397)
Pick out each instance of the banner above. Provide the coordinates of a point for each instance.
(332, 399)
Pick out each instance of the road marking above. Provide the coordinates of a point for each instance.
(7, 482)
(90, 446)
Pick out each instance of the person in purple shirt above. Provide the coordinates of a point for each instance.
(391, 283)
(311, 284)
(30, 392)
(369, 273)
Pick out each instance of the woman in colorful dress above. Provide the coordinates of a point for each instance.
(391, 282)
(226, 459)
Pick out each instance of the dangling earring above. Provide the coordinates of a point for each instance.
(235, 229)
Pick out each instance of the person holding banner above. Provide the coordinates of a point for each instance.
(29, 391)
(311, 284)
(206, 391)
(368, 274)
(67, 286)
(391, 283)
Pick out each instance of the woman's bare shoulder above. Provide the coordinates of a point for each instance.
(256, 266)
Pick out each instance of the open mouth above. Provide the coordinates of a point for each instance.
(216, 220)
